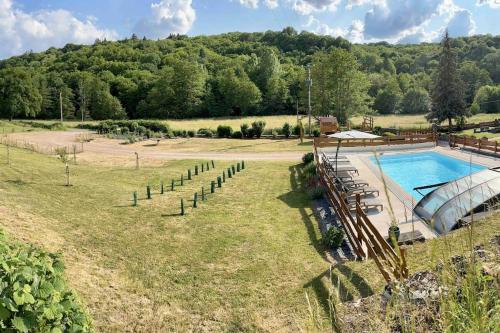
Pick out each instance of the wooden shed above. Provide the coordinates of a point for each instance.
(328, 125)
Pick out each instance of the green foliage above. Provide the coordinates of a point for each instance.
(307, 158)
(415, 101)
(205, 132)
(309, 171)
(316, 192)
(34, 296)
(224, 131)
(237, 135)
(488, 99)
(19, 96)
(286, 130)
(257, 128)
(333, 237)
(448, 93)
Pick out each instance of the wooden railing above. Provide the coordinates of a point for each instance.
(493, 123)
(479, 144)
(366, 241)
(323, 142)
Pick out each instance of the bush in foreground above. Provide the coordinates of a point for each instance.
(308, 158)
(224, 131)
(333, 237)
(34, 296)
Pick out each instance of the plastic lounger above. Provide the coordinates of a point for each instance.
(365, 203)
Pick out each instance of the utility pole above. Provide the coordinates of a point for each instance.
(309, 84)
(60, 105)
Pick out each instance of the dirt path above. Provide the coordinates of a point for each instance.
(102, 147)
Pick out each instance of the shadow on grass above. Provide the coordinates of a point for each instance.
(297, 198)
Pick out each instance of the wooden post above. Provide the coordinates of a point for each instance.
(196, 170)
(229, 173)
(195, 200)
(223, 176)
(219, 182)
(182, 180)
(202, 167)
(213, 164)
(358, 219)
(148, 191)
(238, 167)
(172, 186)
(189, 174)
(203, 194)
(134, 198)
(182, 206)
(161, 187)
(67, 174)
(74, 154)
(233, 169)
(136, 161)
(208, 167)
(242, 165)
(212, 187)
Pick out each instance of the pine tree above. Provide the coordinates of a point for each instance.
(448, 94)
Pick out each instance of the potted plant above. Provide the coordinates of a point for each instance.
(394, 233)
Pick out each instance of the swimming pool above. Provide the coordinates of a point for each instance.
(420, 169)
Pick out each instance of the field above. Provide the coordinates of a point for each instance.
(240, 261)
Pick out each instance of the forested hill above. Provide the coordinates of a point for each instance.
(232, 74)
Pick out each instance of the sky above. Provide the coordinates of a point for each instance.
(36, 25)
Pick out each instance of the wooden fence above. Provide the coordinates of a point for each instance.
(47, 150)
(479, 144)
(323, 142)
(366, 241)
(493, 123)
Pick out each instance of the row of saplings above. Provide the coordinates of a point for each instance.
(231, 171)
(133, 130)
(334, 236)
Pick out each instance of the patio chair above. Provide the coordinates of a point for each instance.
(349, 181)
(363, 190)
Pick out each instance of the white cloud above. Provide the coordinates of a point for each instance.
(250, 3)
(357, 3)
(461, 24)
(354, 33)
(167, 17)
(22, 31)
(491, 3)
(271, 4)
(394, 18)
(306, 7)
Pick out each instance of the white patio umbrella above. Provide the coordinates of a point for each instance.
(349, 135)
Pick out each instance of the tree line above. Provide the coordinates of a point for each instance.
(238, 74)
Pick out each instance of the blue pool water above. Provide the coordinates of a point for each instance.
(420, 169)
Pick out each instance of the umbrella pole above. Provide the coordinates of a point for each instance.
(337, 158)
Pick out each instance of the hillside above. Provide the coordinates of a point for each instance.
(232, 74)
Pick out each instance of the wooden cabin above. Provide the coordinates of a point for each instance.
(328, 125)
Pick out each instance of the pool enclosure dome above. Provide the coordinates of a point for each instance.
(447, 204)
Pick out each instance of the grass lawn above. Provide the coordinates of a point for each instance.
(416, 121)
(242, 261)
(7, 127)
(230, 145)
(490, 136)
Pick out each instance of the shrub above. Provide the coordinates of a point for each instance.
(316, 192)
(115, 129)
(245, 130)
(309, 171)
(149, 133)
(286, 130)
(133, 126)
(316, 132)
(237, 135)
(34, 295)
(296, 130)
(274, 133)
(191, 133)
(333, 237)
(308, 158)
(124, 130)
(205, 132)
(224, 131)
(258, 128)
(141, 130)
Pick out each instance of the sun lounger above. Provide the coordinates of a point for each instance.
(341, 168)
(365, 203)
(353, 190)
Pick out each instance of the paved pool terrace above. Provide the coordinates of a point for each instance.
(402, 202)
